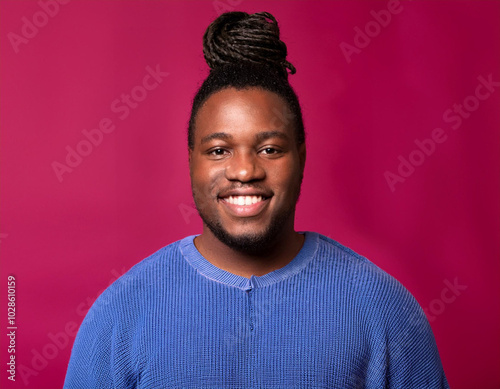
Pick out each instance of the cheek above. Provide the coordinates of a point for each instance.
(285, 183)
(206, 181)
(283, 175)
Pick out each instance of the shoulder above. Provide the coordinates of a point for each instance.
(348, 264)
(362, 282)
(143, 282)
(390, 318)
(109, 338)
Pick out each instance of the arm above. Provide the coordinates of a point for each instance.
(413, 358)
(101, 356)
(90, 363)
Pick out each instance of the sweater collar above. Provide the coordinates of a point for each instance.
(207, 269)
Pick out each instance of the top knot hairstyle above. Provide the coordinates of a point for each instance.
(244, 51)
(239, 37)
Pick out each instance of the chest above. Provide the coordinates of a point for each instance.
(256, 339)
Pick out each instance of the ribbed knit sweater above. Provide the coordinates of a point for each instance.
(328, 319)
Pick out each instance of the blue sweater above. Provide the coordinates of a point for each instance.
(328, 319)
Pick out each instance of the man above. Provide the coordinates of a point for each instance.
(250, 302)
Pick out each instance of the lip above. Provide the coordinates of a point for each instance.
(245, 210)
(245, 192)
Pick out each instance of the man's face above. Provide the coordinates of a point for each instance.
(246, 167)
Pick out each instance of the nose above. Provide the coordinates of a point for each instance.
(244, 167)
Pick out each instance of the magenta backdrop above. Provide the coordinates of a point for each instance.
(401, 110)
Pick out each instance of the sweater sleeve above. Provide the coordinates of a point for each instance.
(413, 358)
(101, 355)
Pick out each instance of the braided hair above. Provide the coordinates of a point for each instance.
(245, 51)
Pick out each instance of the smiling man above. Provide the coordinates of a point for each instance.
(246, 176)
(250, 302)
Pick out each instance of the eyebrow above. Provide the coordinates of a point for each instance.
(261, 136)
(216, 135)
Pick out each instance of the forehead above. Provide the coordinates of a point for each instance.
(238, 110)
(255, 97)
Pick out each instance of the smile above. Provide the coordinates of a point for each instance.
(244, 206)
(243, 200)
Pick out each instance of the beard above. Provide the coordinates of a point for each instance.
(253, 243)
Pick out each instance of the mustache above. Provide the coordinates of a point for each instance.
(259, 189)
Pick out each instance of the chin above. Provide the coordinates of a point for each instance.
(248, 242)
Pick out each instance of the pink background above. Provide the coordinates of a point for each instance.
(66, 241)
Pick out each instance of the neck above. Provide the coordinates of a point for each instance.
(285, 247)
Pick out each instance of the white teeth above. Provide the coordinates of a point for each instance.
(243, 200)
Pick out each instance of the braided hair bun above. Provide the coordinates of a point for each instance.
(244, 51)
(238, 38)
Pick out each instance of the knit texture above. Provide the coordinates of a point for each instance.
(328, 319)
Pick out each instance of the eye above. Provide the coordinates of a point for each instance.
(270, 151)
(217, 153)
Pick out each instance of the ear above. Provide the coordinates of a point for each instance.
(190, 151)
